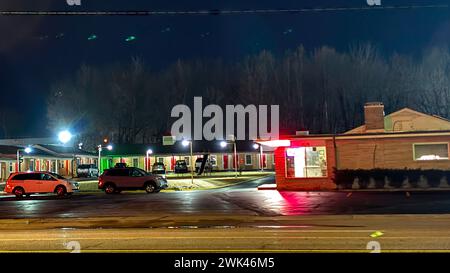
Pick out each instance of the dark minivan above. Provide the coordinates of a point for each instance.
(116, 180)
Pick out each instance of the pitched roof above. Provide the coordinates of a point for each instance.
(362, 128)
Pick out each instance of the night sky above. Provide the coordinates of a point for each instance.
(35, 51)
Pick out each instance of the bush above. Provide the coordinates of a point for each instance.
(344, 178)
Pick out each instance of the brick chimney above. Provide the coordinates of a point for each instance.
(374, 116)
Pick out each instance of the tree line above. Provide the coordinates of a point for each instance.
(322, 90)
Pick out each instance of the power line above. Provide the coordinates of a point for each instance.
(216, 11)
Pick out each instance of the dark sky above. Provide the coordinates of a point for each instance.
(33, 53)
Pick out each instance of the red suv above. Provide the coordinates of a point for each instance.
(116, 180)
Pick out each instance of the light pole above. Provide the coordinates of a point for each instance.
(100, 148)
(64, 137)
(186, 143)
(261, 157)
(223, 144)
(26, 150)
(147, 157)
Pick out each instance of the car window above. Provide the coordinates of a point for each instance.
(19, 177)
(57, 176)
(33, 176)
(47, 177)
(118, 172)
(136, 173)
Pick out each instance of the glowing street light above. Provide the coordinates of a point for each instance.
(147, 158)
(223, 144)
(100, 148)
(261, 156)
(27, 150)
(64, 136)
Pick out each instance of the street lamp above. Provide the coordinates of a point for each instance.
(27, 150)
(185, 143)
(223, 144)
(261, 157)
(64, 136)
(100, 148)
(147, 157)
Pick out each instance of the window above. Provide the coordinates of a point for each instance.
(213, 160)
(430, 151)
(137, 173)
(135, 162)
(160, 159)
(248, 159)
(31, 166)
(48, 177)
(10, 167)
(118, 172)
(304, 162)
(188, 160)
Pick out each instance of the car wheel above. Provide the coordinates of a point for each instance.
(19, 192)
(150, 188)
(60, 191)
(110, 188)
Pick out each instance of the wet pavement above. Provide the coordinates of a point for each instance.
(243, 199)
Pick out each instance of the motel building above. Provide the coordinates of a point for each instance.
(42, 157)
(250, 157)
(405, 139)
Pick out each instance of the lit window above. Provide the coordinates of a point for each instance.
(135, 162)
(303, 162)
(160, 159)
(432, 151)
(248, 160)
(213, 159)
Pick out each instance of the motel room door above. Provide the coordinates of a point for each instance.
(225, 162)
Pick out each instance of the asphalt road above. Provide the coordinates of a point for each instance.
(399, 233)
(243, 199)
(238, 218)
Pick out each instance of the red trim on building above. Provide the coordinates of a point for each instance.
(172, 163)
(225, 162)
(67, 167)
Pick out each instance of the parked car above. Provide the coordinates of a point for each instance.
(210, 162)
(116, 180)
(87, 170)
(181, 166)
(28, 183)
(120, 165)
(159, 168)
